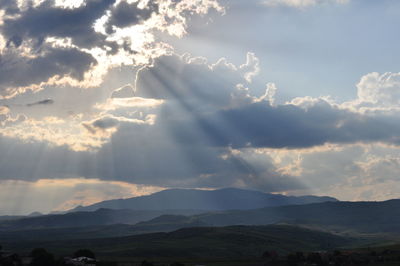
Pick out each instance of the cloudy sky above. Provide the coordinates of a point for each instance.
(103, 99)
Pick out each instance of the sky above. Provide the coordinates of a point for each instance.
(104, 99)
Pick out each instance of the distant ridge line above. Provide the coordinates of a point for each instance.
(212, 200)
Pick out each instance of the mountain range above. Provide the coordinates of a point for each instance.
(210, 200)
(364, 217)
(183, 208)
(200, 222)
(172, 202)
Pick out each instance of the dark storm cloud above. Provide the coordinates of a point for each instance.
(46, 20)
(101, 124)
(206, 96)
(36, 58)
(289, 126)
(190, 143)
(104, 123)
(21, 71)
(41, 102)
(125, 14)
(10, 6)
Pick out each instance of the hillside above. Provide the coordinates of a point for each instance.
(164, 223)
(204, 242)
(212, 200)
(83, 219)
(374, 217)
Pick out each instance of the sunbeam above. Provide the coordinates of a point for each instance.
(199, 132)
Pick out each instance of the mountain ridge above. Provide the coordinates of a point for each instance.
(344, 218)
(211, 200)
(364, 216)
(99, 217)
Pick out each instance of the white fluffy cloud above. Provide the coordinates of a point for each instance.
(377, 94)
(377, 91)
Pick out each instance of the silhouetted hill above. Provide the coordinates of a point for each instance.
(167, 219)
(11, 217)
(202, 242)
(191, 199)
(163, 223)
(380, 220)
(166, 223)
(360, 216)
(369, 217)
(82, 219)
(96, 225)
(68, 233)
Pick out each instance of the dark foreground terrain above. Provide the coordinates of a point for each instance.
(198, 242)
(213, 246)
(378, 256)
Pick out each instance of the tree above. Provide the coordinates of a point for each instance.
(84, 253)
(40, 257)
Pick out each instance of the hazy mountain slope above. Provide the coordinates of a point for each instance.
(373, 217)
(378, 218)
(10, 217)
(163, 223)
(82, 219)
(67, 233)
(360, 216)
(234, 241)
(223, 199)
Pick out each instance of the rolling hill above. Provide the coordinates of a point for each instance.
(82, 219)
(362, 217)
(354, 218)
(163, 223)
(373, 217)
(202, 242)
